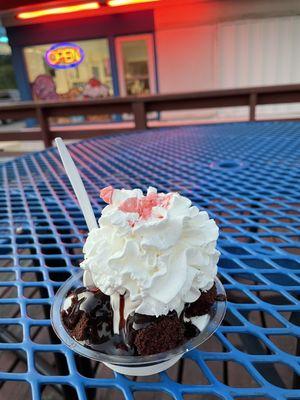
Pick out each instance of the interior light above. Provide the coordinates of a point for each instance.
(58, 10)
(116, 3)
(3, 39)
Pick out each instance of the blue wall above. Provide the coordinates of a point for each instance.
(20, 73)
(22, 78)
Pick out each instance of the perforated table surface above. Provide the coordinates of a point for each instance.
(245, 174)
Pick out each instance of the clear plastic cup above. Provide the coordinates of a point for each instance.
(132, 365)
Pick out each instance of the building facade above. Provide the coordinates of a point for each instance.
(162, 47)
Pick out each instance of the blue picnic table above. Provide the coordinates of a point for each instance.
(245, 174)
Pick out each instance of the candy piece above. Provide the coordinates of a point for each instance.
(144, 205)
(130, 205)
(106, 194)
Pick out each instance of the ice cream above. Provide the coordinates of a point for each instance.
(152, 254)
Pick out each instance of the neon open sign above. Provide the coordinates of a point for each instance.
(64, 55)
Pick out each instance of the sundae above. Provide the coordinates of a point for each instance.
(149, 275)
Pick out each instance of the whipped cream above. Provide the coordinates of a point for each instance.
(157, 250)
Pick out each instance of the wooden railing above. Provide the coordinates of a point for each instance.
(138, 106)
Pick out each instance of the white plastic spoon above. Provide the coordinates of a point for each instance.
(81, 194)
(77, 185)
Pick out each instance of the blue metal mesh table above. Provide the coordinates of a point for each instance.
(245, 174)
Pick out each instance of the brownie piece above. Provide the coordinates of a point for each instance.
(80, 331)
(202, 305)
(190, 330)
(164, 334)
(89, 317)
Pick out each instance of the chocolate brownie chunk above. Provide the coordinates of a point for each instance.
(80, 332)
(190, 330)
(164, 334)
(89, 316)
(202, 305)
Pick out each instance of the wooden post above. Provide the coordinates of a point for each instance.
(140, 119)
(252, 105)
(44, 125)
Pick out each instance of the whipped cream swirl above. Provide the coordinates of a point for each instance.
(158, 251)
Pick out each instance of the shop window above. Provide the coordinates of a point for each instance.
(90, 79)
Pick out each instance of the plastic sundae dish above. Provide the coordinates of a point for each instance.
(147, 291)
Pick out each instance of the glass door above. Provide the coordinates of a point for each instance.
(135, 60)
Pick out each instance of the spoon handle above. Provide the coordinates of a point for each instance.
(77, 185)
